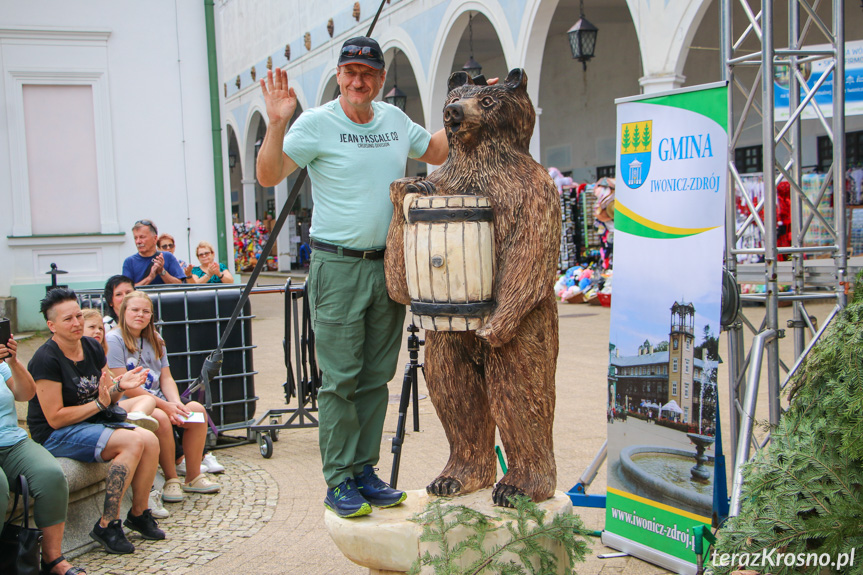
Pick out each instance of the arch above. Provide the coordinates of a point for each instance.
(256, 124)
(534, 30)
(454, 24)
(400, 39)
(327, 86)
(663, 63)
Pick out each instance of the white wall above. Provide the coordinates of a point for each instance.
(155, 115)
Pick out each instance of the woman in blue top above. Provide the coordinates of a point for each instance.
(20, 455)
(210, 271)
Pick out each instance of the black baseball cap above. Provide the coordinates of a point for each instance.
(362, 50)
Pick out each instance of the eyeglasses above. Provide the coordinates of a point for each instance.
(167, 246)
(202, 254)
(362, 51)
(147, 223)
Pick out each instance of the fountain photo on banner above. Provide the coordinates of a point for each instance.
(665, 323)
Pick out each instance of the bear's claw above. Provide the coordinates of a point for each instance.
(444, 487)
(502, 492)
(423, 187)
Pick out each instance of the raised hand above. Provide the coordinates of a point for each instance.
(279, 96)
(133, 379)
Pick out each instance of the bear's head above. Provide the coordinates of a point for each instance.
(498, 114)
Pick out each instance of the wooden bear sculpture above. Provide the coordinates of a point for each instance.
(501, 375)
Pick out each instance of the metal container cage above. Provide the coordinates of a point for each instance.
(191, 320)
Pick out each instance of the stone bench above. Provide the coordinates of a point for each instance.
(86, 496)
(86, 500)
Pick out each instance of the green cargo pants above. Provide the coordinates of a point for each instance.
(358, 331)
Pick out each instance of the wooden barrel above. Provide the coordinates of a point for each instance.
(449, 260)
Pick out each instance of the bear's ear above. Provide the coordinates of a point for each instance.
(516, 79)
(459, 79)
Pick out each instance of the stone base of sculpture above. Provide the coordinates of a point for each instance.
(388, 543)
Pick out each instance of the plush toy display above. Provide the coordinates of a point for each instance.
(501, 375)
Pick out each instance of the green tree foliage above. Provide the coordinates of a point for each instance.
(709, 345)
(804, 493)
(625, 140)
(527, 530)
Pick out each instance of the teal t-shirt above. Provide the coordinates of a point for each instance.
(351, 167)
(10, 433)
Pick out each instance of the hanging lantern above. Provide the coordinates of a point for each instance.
(395, 96)
(582, 39)
(472, 67)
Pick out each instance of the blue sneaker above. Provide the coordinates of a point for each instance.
(345, 500)
(376, 491)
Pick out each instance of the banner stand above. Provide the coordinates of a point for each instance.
(666, 471)
(578, 494)
(648, 554)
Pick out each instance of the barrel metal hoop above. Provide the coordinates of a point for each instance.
(475, 309)
(483, 214)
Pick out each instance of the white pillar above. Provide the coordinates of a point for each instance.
(534, 139)
(248, 203)
(285, 248)
(665, 31)
(661, 83)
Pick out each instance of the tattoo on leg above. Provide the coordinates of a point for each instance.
(116, 482)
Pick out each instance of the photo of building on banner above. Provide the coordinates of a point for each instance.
(665, 323)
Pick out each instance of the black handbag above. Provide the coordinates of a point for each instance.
(111, 414)
(20, 545)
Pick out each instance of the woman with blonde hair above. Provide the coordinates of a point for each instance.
(137, 343)
(210, 271)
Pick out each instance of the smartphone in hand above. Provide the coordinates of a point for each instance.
(5, 333)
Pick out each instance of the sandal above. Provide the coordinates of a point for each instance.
(46, 567)
(201, 485)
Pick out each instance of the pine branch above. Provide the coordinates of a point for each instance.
(525, 524)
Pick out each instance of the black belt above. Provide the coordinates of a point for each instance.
(333, 249)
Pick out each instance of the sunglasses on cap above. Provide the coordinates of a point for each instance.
(147, 223)
(366, 52)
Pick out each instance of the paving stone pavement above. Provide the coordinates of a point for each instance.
(201, 528)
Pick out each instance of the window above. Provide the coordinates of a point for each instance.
(853, 150)
(674, 365)
(60, 112)
(686, 366)
(685, 391)
(673, 388)
(748, 159)
(605, 171)
(687, 345)
(686, 413)
(676, 344)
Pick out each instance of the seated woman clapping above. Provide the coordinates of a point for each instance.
(70, 417)
(20, 455)
(135, 344)
(210, 270)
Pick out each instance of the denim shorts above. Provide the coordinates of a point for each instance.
(80, 441)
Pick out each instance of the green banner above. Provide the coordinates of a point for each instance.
(663, 351)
